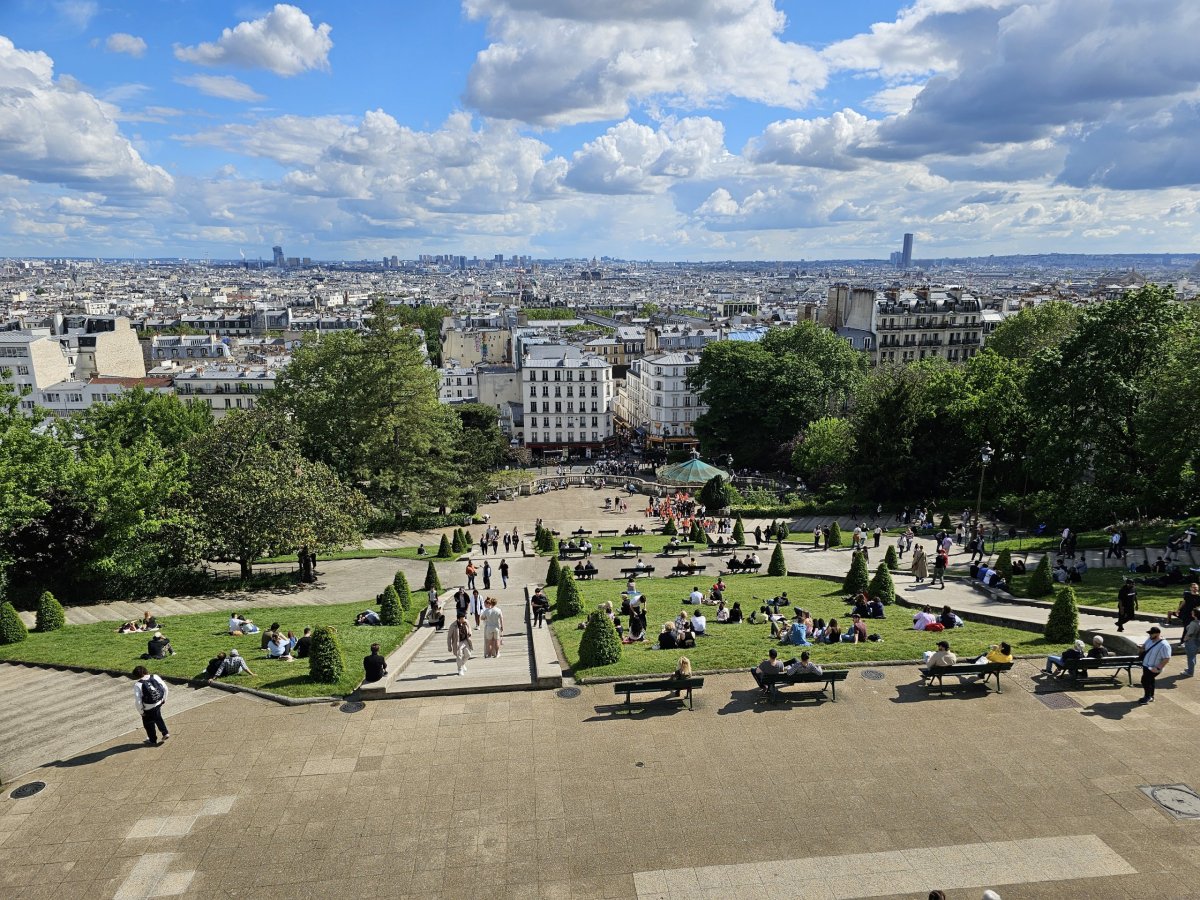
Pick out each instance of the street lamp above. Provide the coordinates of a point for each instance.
(985, 457)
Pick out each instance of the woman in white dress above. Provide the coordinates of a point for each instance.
(493, 627)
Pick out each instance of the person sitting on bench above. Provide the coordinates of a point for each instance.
(639, 565)
(769, 666)
(1098, 651)
(997, 653)
(942, 657)
(802, 666)
(579, 569)
(1056, 664)
(682, 672)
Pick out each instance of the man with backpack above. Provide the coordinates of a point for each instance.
(150, 693)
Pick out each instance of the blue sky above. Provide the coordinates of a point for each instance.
(665, 129)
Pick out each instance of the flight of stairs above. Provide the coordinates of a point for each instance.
(47, 715)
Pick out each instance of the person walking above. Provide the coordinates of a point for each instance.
(503, 572)
(940, 560)
(476, 607)
(919, 566)
(1127, 603)
(458, 642)
(878, 534)
(1156, 653)
(493, 627)
(1191, 642)
(150, 693)
(470, 572)
(487, 575)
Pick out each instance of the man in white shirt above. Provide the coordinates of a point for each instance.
(695, 597)
(149, 694)
(1156, 653)
(699, 622)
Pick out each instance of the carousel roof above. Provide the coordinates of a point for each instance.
(693, 472)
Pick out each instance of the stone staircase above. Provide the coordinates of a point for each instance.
(48, 715)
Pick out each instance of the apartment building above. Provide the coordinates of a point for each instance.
(568, 397)
(222, 387)
(457, 383)
(655, 402)
(913, 325)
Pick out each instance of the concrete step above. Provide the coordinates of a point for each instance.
(49, 714)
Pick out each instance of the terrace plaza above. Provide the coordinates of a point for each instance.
(891, 791)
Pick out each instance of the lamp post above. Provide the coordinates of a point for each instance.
(985, 457)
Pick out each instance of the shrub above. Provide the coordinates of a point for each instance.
(1004, 565)
(400, 583)
(567, 602)
(782, 530)
(739, 531)
(468, 543)
(389, 606)
(457, 542)
(698, 535)
(1063, 624)
(50, 616)
(891, 559)
(778, 566)
(946, 524)
(12, 629)
(669, 528)
(325, 661)
(835, 534)
(552, 571)
(599, 645)
(432, 582)
(544, 539)
(858, 578)
(1040, 583)
(882, 586)
(715, 495)
(445, 550)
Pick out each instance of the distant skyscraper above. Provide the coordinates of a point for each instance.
(906, 255)
(278, 251)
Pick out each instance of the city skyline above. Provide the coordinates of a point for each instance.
(668, 130)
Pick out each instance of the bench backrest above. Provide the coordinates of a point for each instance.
(1088, 663)
(970, 668)
(655, 683)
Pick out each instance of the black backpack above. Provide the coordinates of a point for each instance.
(152, 692)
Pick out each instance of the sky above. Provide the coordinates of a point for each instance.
(641, 129)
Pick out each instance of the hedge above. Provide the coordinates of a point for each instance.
(858, 579)
(325, 660)
(389, 607)
(1063, 624)
(12, 629)
(50, 616)
(599, 645)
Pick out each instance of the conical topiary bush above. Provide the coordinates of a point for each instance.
(778, 565)
(400, 583)
(552, 571)
(835, 534)
(739, 531)
(325, 661)
(1063, 624)
(599, 645)
(389, 606)
(567, 602)
(50, 615)
(1004, 565)
(1040, 582)
(669, 529)
(468, 543)
(882, 586)
(445, 548)
(891, 559)
(458, 542)
(432, 582)
(945, 524)
(858, 578)
(12, 629)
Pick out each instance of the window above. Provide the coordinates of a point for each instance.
(594, 374)
(570, 406)
(595, 422)
(545, 391)
(533, 390)
(557, 376)
(22, 370)
(545, 375)
(545, 406)
(228, 403)
(570, 391)
(593, 390)
(557, 391)
(570, 437)
(558, 407)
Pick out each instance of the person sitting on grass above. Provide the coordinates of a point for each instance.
(239, 624)
(695, 597)
(667, 638)
(637, 629)
(131, 627)
(234, 664)
(1057, 664)
(368, 617)
(699, 623)
(149, 623)
(923, 619)
(681, 621)
(265, 640)
(735, 613)
(948, 619)
(862, 605)
(722, 613)
(159, 647)
(277, 646)
(857, 633)
(832, 633)
(875, 609)
(797, 634)
(769, 666)
(300, 651)
(213, 669)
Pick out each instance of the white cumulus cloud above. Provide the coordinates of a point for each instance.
(226, 87)
(630, 158)
(554, 63)
(120, 42)
(284, 41)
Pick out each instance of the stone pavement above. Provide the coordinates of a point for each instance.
(888, 792)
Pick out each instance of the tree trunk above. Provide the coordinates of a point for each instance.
(247, 567)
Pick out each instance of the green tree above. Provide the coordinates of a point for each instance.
(50, 615)
(389, 607)
(669, 529)
(432, 582)
(739, 531)
(567, 601)
(882, 586)
(823, 451)
(367, 406)
(945, 524)
(781, 384)
(697, 535)
(1040, 582)
(483, 446)
(890, 559)
(715, 494)
(458, 543)
(467, 541)
(858, 579)
(400, 583)
(777, 567)
(256, 495)
(835, 534)
(1062, 626)
(12, 629)
(599, 645)
(138, 413)
(1033, 329)
(552, 571)
(445, 550)
(1004, 565)
(325, 660)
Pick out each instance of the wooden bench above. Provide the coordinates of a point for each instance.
(636, 572)
(631, 550)
(604, 532)
(669, 550)
(773, 683)
(580, 532)
(680, 571)
(1079, 670)
(634, 529)
(587, 574)
(731, 569)
(572, 553)
(984, 670)
(658, 686)
(718, 549)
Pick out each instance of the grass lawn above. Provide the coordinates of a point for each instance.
(651, 544)
(745, 645)
(197, 638)
(1150, 535)
(1099, 588)
(361, 553)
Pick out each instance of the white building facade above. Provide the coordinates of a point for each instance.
(568, 400)
(656, 404)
